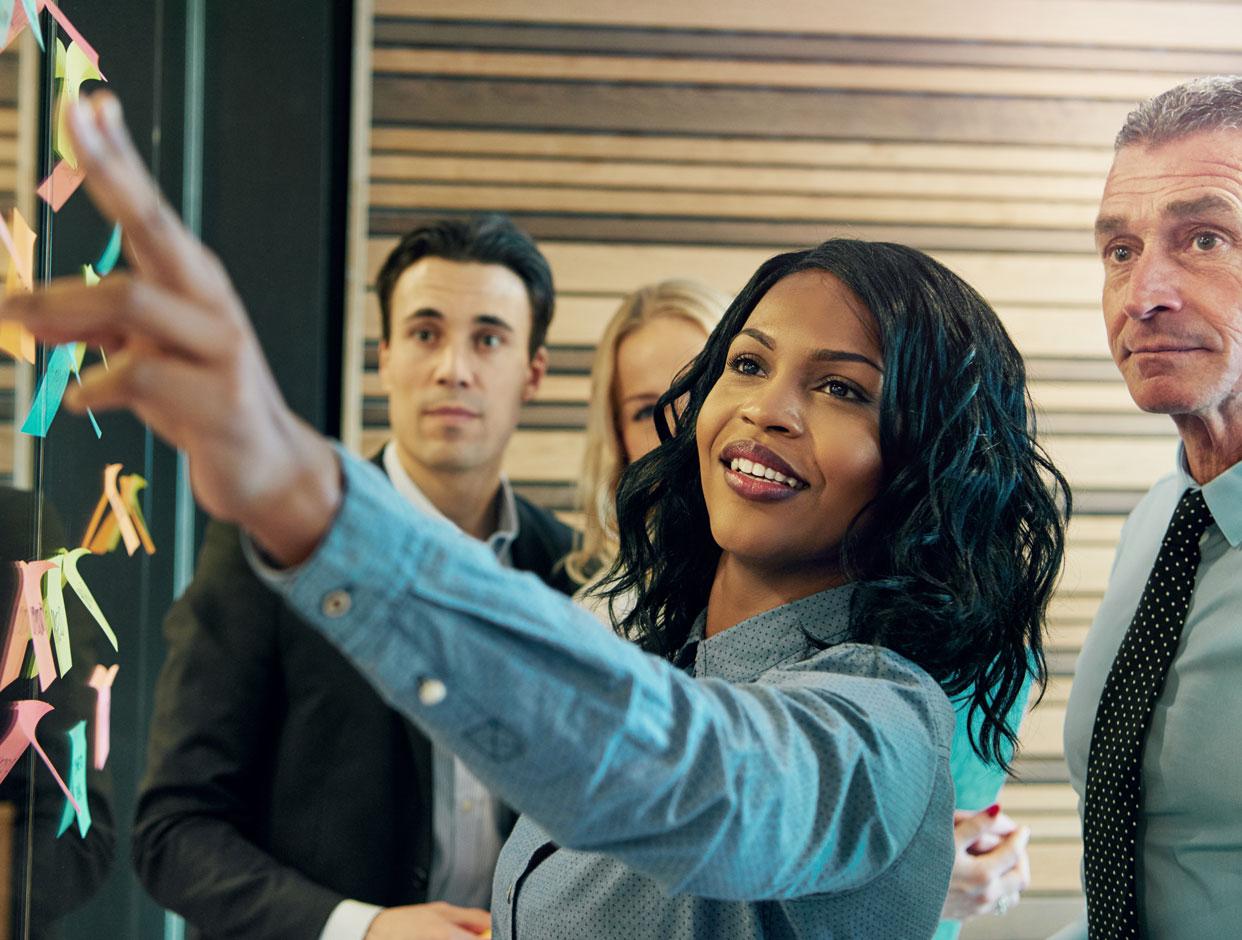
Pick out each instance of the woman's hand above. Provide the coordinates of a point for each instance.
(991, 869)
(182, 355)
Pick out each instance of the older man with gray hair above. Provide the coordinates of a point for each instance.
(1151, 733)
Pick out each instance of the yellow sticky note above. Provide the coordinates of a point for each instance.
(76, 68)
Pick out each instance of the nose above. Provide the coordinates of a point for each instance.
(1153, 285)
(452, 366)
(775, 406)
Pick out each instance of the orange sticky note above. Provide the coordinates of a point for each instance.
(19, 241)
(17, 341)
(101, 681)
(21, 733)
(117, 515)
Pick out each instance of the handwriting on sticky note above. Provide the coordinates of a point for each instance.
(55, 615)
(76, 804)
(101, 680)
(29, 627)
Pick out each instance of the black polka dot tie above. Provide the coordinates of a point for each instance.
(1111, 805)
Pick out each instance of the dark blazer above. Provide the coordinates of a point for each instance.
(278, 783)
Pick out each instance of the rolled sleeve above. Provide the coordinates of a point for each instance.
(824, 768)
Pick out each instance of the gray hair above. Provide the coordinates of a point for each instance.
(1211, 103)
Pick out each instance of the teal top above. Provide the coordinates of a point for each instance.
(975, 783)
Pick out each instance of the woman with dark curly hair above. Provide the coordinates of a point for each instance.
(850, 517)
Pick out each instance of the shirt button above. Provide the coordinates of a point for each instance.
(431, 692)
(336, 604)
(467, 805)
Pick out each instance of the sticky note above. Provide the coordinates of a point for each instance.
(91, 55)
(60, 185)
(101, 680)
(6, 19)
(76, 803)
(130, 487)
(111, 253)
(69, 565)
(19, 240)
(73, 67)
(29, 627)
(128, 533)
(55, 616)
(17, 341)
(60, 365)
(21, 733)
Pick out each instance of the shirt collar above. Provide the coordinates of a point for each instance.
(1223, 496)
(499, 541)
(759, 643)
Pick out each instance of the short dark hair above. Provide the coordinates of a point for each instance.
(486, 239)
(1209, 103)
(967, 531)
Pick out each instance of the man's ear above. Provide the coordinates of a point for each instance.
(537, 369)
(383, 364)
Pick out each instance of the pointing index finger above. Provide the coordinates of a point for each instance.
(118, 182)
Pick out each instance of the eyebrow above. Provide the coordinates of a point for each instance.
(820, 355)
(483, 319)
(1180, 209)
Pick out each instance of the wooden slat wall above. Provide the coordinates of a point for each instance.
(687, 138)
(10, 134)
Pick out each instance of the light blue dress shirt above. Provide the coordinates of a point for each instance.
(1189, 853)
(797, 786)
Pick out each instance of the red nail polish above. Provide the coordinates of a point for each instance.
(993, 810)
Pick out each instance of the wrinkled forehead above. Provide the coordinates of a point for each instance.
(1152, 182)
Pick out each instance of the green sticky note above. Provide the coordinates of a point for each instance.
(69, 564)
(54, 614)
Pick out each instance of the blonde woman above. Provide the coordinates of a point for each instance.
(654, 334)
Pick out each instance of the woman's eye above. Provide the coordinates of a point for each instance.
(644, 415)
(744, 365)
(839, 389)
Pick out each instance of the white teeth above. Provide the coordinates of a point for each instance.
(759, 471)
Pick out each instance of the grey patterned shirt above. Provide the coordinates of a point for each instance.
(796, 785)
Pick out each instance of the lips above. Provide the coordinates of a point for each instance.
(451, 412)
(756, 472)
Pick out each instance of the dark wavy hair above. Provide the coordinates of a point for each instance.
(963, 542)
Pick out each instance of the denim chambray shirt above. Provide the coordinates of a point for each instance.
(794, 785)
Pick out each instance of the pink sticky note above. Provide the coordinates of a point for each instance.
(63, 183)
(29, 713)
(29, 626)
(101, 680)
(128, 532)
(70, 31)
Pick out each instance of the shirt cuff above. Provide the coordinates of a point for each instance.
(349, 920)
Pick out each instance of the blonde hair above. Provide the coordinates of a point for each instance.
(605, 459)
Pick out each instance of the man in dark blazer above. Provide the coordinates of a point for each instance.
(283, 798)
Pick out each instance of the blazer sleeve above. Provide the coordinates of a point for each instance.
(209, 755)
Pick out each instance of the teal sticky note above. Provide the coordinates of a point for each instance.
(112, 251)
(77, 782)
(60, 365)
(6, 18)
(32, 14)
